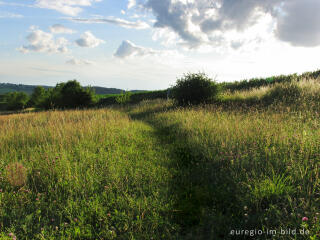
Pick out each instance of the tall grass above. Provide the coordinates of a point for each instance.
(154, 171)
(92, 174)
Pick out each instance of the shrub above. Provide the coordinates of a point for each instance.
(123, 98)
(194, 88)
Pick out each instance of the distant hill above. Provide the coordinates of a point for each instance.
(9, 87)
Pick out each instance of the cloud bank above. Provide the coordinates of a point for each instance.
(199, 22)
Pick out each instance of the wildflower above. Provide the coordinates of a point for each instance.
(10, 234)
(245, 208)
(75, 219)
(0, 190)
(304, 219)
(37, 199)
(109, 215)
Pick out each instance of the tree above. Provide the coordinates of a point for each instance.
(37, 97)
(68, 95)
(194, 88)
(16, 100)
(72, 95)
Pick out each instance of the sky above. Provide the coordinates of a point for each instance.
(149, 44)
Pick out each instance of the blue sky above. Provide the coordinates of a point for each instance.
(147, 44)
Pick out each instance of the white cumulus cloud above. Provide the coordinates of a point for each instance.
(128, 49)
(89, 40)
(40, 41)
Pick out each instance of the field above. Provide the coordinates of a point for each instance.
(156, 171)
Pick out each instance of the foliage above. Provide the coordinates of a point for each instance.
(16, 100)
(29, 89)
(123, 98)
(154, 171)
(194, 88)
(159, 172)
(72, 95)
(262, 82)
(37, 97)
(68, 95)
(135, 97)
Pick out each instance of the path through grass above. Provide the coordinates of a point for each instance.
(152, 171)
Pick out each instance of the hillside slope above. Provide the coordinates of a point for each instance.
(154, 171)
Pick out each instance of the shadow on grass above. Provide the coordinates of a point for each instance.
(204, 191)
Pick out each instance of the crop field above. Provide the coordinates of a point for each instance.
(156, 171)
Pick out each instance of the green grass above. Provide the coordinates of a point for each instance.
(155, 171)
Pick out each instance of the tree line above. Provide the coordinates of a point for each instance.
(63, 96)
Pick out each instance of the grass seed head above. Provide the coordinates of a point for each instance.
(16, 174)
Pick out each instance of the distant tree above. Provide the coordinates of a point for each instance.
(16, 100)
(194, 88)
(69, 95)
(37, 97)
(73, 95)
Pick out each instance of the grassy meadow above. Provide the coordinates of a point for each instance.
(156, 171)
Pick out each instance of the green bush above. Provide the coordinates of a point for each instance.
(16, 100)
(123, 98)
(194, 88)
